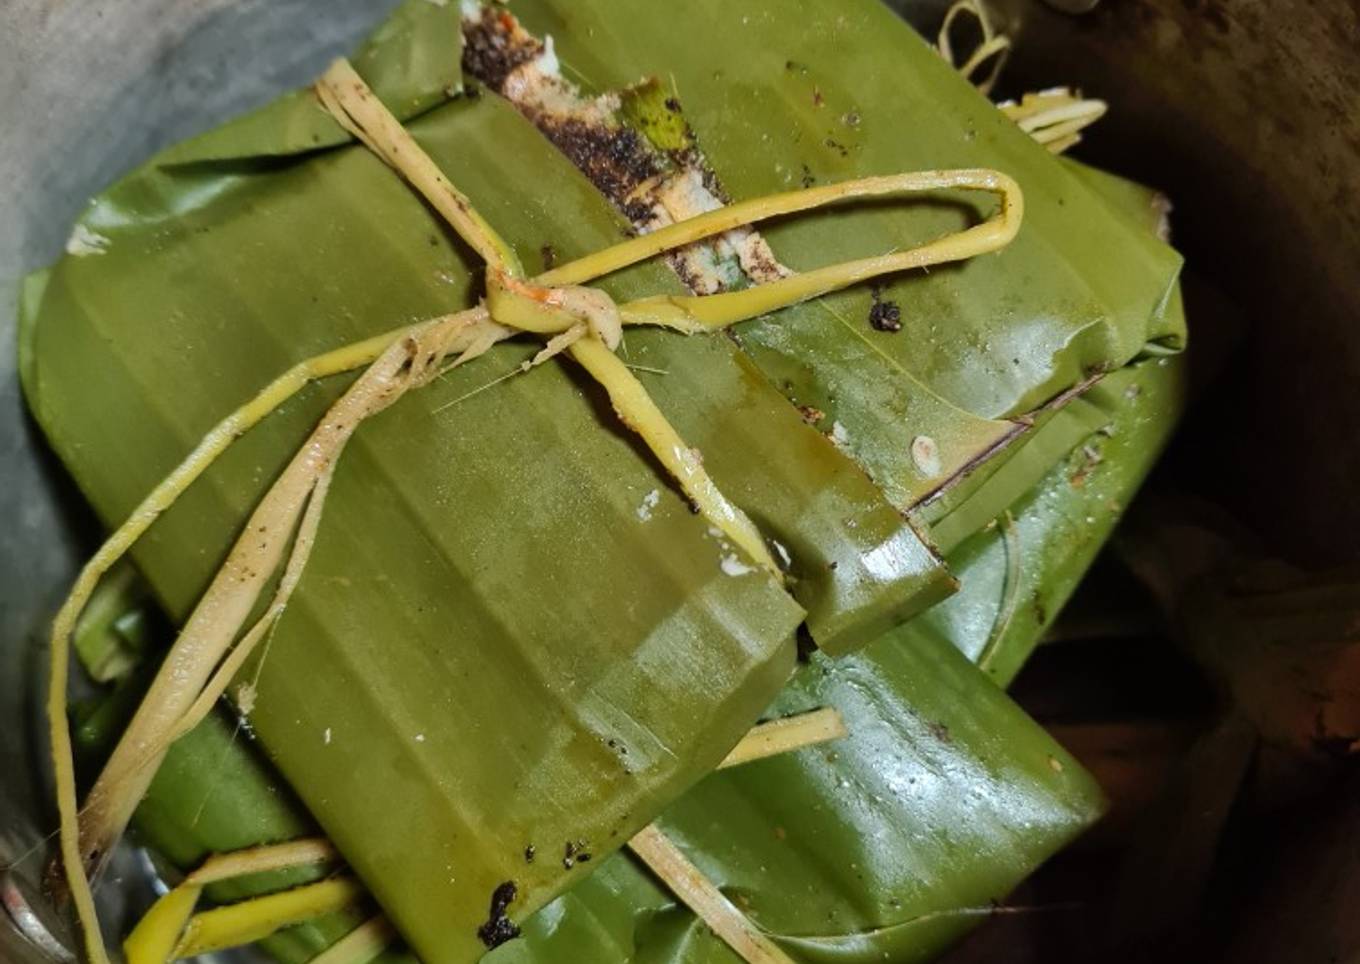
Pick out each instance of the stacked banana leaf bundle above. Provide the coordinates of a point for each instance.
(515, 646)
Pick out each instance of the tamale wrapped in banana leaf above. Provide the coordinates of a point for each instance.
(513, 633)
(444, 631)
(983, 794)
(958, 748)
(889, 844)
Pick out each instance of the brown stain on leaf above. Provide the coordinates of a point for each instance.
(498, 927)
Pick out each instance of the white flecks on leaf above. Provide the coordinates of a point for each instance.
(245, 698)
(649, 502)
(785, 559)
(925, 452)
(84, 241)
(547, 61)
(839, 436)
(326, 737)
(733, 566)
(420, 737)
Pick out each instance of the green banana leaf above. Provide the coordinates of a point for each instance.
(621, 913)
(217, 273)
(825, 837)
(1016, 576)
(431, 631)
(420, 623)
(886, 845)
(822, 847)
(828, 91)
(207, 287)
(1086, 459)
(894, 840)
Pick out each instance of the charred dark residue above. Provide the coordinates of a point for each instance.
(615, 159)
(636, 211)
(529, 853)
(498, 927)
(884, 315)
(709, 176)
(634, 146)
(549, 256)
(1039, 609)
(492, 48)
(574, 853)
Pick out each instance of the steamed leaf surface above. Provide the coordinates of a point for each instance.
(484, 613)
(830, 91)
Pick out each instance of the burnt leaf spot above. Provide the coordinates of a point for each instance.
(491, 53)
(499, 928)
(884, 315)
(574, 853)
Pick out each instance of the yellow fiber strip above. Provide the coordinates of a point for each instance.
(161, 930)
(787, 734)
(292, 574)
(251, 920)
(700, 895)
(344, 93)
(360, 945)
(998, 50)
(754, 211)
(637, 410)
(258, 860)
(993, 44)
(162, 497)
(1061, 144)
(157, 934)
(1033, 122)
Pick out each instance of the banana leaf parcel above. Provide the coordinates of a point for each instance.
(512, 627)
(934, 748)
(891, 843)
(949, 729)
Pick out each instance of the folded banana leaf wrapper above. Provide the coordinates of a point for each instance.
(960, 794)
(512, 630)
(895, 840)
